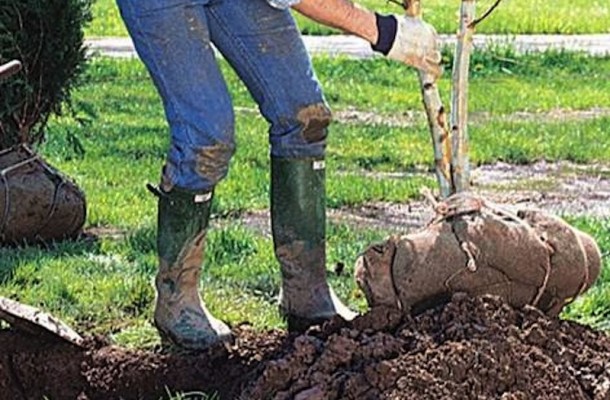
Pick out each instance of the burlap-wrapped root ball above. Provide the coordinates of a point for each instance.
(473, 246)
(37, 203)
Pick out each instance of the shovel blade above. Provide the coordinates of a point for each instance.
(31, 320)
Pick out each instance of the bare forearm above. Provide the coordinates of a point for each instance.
(343, 15)
(401, 38)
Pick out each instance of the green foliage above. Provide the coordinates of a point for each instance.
(512, 17)
(504, 59)
(194, 396)
(594, 308)
(47, 37)
(530, 82)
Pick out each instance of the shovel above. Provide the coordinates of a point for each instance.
(32, 321)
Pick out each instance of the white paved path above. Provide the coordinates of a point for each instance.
(350, 46)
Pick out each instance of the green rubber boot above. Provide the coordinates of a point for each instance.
(180, 315)
(298, 217)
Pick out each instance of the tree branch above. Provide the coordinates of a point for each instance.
(486, 14)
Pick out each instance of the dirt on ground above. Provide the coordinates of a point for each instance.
(562, 188)
(470, 348)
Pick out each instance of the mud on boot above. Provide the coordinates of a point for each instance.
(298, 216)
(303, 307)
(180, 315)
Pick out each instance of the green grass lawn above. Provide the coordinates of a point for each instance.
(104, 286)
(513, 16)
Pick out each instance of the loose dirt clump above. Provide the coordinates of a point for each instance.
(470, 348)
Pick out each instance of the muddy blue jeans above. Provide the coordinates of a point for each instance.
(174, 40)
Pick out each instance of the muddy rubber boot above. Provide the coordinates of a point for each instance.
(298, 216)
(180, 315)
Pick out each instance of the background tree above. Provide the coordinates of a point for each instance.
(47, 36)
(37, 203)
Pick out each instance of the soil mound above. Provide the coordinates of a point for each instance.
(470, 348)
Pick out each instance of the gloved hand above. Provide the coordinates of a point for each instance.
(411, 41)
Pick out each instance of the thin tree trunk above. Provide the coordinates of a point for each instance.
(460, 165)
(437, 119)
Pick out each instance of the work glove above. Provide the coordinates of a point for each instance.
(411, 41)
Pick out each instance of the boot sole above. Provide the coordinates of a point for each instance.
(171, 342)
(301, 325)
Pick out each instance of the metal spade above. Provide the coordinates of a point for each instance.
(35, 322)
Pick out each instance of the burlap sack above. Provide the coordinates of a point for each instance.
(477, 247)
(37, 203)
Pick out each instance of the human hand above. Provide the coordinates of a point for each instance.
(411, 41)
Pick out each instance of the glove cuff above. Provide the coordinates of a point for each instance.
(387, 26)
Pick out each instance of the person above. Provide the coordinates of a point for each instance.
(261, 41)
